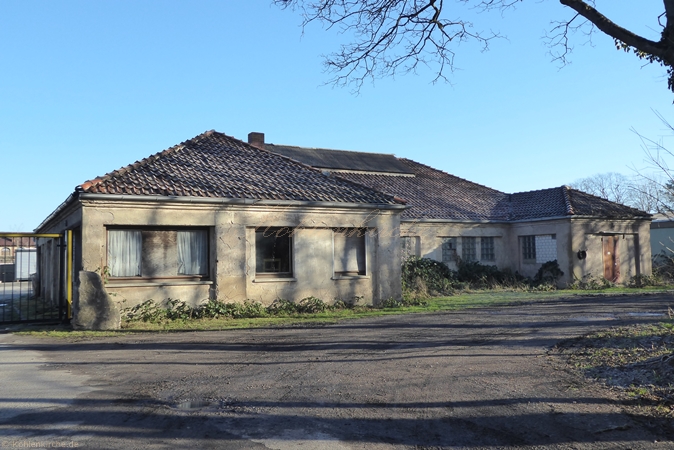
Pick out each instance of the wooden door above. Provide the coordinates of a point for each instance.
(611, 260)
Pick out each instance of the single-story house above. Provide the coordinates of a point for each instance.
(215, 217)
(218, 218)
(450, 218)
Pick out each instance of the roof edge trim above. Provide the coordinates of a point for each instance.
(237, 201)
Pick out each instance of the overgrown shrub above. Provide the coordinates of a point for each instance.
(311, 305)
(422, 277)
(640, 281)
(401, 303)
(148, 311)
(308, 305)
(548, 273)
(480, 276)
(591, 283)
(663, 267)
(153, 312)
(250, 309)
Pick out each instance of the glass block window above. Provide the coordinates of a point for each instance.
(448, 250)
(529, 247)
(408, 246)
(487, 249)
(469, 249)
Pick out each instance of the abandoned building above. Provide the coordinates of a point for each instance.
(215, 217)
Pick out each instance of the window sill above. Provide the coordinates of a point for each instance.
(145, 283)
(273, 280)
(351, 277)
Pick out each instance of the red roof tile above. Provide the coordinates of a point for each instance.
(219, 166)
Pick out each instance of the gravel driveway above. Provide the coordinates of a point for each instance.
(474, 379)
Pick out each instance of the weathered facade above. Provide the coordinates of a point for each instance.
(215, 218)
(451, 219)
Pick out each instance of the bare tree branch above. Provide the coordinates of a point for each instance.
(387, 37)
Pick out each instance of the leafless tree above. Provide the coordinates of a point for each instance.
(658, 158)
(646, 193)
(392, 36)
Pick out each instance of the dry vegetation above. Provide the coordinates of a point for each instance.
(636, 361)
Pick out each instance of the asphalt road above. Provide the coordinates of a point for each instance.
(473, 379)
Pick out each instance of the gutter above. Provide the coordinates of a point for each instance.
(538, 219)
(236, 201)
(213, 201)
(58, 209)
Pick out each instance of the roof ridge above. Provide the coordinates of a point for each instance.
(124, 169)
(322, 171)
(567, 200)
(452, 175)
(536, 190)
(330, 149)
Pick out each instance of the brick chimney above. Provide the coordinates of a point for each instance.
(256, 140)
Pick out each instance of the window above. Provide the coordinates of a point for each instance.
(124, 253)
(487, 249)
(468, 251)
(349, 251)
(408, 246)
(158, 253)
(273, 252)
(541, 248)
(529, 247)
(192, 252)
(448, 250)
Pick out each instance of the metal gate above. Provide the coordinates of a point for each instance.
(35, 277)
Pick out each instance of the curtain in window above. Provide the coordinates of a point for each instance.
(124, 253)
(193, 252)
(349, 252)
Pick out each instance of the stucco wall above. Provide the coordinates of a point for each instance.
(559, 228)
(558, 239)
(232, 251)
(431, 235)
(634, 248)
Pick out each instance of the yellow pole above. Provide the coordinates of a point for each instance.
(69, 268)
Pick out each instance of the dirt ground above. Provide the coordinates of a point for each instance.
(474, 379)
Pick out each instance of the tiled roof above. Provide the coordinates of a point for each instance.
(341, 159)
(584, 204)
(564, 201)
(433, 194)
(219, 166)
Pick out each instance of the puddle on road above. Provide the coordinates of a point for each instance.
(646, 314)
(592, 318)
(194, 404)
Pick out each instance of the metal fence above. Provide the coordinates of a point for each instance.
(33, 277)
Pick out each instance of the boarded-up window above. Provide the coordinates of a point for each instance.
(409, 246)
(541, 248)
(546, 248)
(349, 248)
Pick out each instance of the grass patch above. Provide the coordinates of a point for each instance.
(637, 360)
(286, 315)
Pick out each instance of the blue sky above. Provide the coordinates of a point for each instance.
(88, 87)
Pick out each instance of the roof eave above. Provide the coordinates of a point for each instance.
(238, 201)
